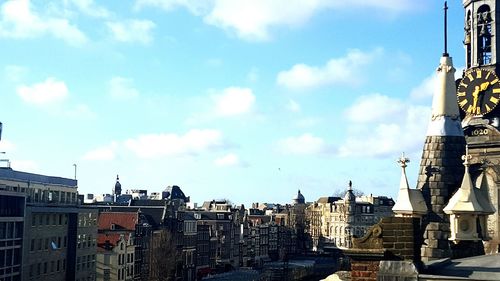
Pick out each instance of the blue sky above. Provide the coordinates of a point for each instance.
(248, 100)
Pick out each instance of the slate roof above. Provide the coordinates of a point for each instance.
(10, 174)
(329, 199)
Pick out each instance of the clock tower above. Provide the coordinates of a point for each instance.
(478, 96)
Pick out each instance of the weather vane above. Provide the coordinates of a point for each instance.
(445, 29)
(403, 160)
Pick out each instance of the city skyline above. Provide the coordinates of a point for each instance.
(224, 101)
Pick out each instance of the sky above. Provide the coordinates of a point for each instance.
(248, 100)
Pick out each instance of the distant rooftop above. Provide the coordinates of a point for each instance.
(9, 174)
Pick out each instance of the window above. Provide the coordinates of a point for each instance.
(32, 247)
(484, 35)
(33, 220)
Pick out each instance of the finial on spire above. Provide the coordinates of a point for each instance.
(117, 178)
(467, 156)
(403, 160)
(445, 54)
(350, 185)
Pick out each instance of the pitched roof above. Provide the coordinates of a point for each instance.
(120, 220)
(105, 240)
(468, 199)
(410, 201)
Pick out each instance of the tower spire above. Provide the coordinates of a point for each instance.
(445, 54)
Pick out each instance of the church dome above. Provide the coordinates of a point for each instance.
(299, 198)
(349, 195)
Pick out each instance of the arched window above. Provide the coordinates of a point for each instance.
(484, 35)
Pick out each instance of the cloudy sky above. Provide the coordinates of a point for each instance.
(248, 100)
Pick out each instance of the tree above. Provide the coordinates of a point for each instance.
(341, 192)
(164, 256)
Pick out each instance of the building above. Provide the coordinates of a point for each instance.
(51, 228)
(481, 126)
(116, 249)
(334, 221)
(12, 209)
(86, 245)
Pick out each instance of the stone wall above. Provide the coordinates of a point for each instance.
(394, 243)
(441, 172)
(364, 270)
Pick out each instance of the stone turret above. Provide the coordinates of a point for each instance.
(467, 207)
(441, 168)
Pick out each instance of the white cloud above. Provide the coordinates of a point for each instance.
(194, 142)
(229, 160)
(90, 8)
(132, 31)
(253, 19)
(81, 111)
(426, 89)
(20, 21)
(121, 88)
(24, 165)
(293, 106)
(234, 101)
(384, 132)
(15, 73)
(344, 70)
(6, 146)
(45, 93)
(103, 153)
(379, 106)
(306, 144)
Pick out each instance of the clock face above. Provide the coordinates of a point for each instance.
(479, 91)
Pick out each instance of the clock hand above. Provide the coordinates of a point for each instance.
(484, 86)
(475, 96)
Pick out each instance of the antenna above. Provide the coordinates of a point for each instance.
(445, 54)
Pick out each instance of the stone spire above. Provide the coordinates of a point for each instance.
(466, 199)
(445, 119)
(410, 202)
(441, 168)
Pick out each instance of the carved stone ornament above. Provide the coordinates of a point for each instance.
(371, 240)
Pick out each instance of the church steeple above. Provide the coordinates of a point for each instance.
(440, 165)
(117, 190)
(480, 39)
(410, 202)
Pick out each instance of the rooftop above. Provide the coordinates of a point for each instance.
(10, 174)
